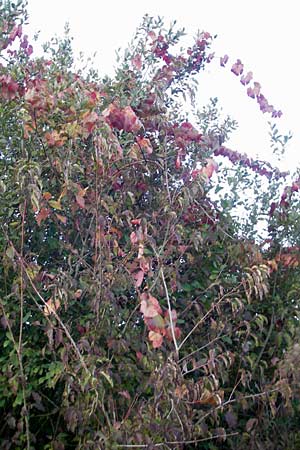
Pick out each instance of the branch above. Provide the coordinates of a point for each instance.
(170, 311)
(204, 317)
(194, 441)
(222, 405)
(53, 311)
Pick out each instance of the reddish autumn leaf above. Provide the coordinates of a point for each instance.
(80, 201)
(93, 98)
(256, 88)
(125, 394)
(224, 60)
(155, 338)
(173, 315)
(137, 62)
(145, 145)
(237, 68)
(54, 139)
(133, 238)
(290, 260)
(178, 162)
(246, 78)
(144, 264)
(150, 306)
(42, 215)
(122, 118)
(135, 221)
(139, 355)
(8, 87)
(210, 168)
(89, 121)
(61, 218)
(169, 335)
(274, 205)
(250, 92)
(186, 133)
(47, 195)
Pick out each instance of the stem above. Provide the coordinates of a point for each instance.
(170, 311)
(204, 317)
(265, 343)
(54, 313)
(19, 348)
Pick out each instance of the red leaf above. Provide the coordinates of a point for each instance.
(150, 306)
(54, 139)
(80, 201)
(145, 145)
(210, 168)
(42, 215)
(89, 120)
(139, 355)
(144, 264)
(224, 60)
(125, 394)
(155, 338)
(63, 219)
(122, 118)
(238, 67)
(47, 195)
(137, 62)
(177, 333)
(133, 238)
(135, 221)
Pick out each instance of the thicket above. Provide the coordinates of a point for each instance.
(149, 276)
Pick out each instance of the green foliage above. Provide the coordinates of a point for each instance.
(137, 308)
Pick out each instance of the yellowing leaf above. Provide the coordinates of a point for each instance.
(107, 377)
(51, 306)
(55, 204)
(10, 252)
(63, 219)
(156, 323)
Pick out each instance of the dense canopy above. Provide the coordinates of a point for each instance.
(149, 289)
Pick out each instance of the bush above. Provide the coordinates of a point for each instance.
(138, 308)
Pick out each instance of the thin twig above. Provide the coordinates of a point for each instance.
(53, 311)
(234, 400)
(220, 336)
(265, 343)
(194, 441)
(170, 311)
(204, 317)
(20, 343)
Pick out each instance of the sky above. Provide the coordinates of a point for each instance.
(265, 35)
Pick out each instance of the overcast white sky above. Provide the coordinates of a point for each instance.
(265, 35)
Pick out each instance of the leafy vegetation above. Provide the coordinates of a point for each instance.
(138, 308)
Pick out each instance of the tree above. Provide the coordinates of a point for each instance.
(137, 309)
